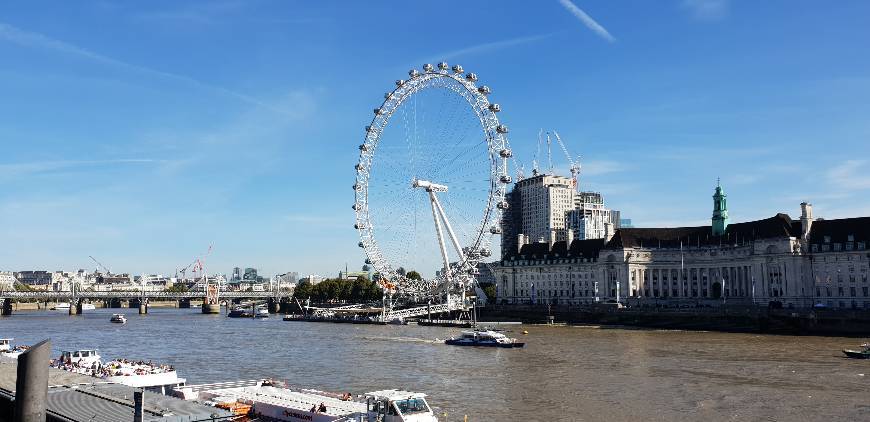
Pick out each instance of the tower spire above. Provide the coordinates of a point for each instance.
(720, 210)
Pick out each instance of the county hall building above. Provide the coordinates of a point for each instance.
(777, 260)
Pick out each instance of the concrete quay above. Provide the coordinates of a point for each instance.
(747, 319)
(78, 398)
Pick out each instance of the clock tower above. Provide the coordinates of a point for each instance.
(720, 211)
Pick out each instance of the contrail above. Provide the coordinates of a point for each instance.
(33, 39)
(587, 20)
(491, 46)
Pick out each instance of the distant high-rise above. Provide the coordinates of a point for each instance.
(544, 201)
(250, 274)
(589, 219)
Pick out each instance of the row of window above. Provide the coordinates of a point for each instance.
(840, 291)
(837, 247)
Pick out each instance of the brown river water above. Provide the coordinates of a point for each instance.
(563, 373)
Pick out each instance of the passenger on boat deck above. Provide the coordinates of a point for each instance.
(322, 408)
(346, 397)
(313, 409)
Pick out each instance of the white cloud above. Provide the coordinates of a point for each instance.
(587, 20)
(9, 171)
(851, 175)
(36, 40)
(707, 9)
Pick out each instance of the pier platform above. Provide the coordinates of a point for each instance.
(75, 397)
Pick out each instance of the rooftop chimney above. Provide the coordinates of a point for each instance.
(521, 240)
(608, 231)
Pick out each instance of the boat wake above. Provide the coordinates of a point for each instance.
(405, 340)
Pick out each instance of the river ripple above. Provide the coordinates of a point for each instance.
(564, 373)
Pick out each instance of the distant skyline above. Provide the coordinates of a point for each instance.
(142, 133)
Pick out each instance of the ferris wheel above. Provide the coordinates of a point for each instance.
(431, 182)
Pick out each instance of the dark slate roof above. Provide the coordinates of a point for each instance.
(579, 249)
(839, 230)
(780, 225)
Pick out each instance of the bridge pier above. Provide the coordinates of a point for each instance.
(134, 303)
(211, 308)
(184, 303)
(272, 305)
(7, 307)
(143, 307)
(75, 307)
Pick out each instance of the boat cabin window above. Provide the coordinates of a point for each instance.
(410, 406)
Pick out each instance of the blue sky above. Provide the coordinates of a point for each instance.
(142, 132)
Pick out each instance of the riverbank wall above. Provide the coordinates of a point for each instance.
(825, 322)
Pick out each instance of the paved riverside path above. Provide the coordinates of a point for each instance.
(79, 397)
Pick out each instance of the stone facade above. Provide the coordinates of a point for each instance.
(804, 263)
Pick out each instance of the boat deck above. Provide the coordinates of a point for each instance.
(289, 398)
(79, 397)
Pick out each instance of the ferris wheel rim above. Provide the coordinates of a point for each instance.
(498, 152)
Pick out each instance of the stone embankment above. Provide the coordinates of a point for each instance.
(731, 319)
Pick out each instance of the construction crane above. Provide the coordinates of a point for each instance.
(184, 270)
(100, 265)
(538, 152)
(550, 153)
(575, 165)
(196, 264)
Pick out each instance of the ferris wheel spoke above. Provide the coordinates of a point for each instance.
(435, 128)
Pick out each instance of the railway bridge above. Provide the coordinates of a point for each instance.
(142, 297)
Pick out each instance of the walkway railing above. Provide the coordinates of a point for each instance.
(131, 295)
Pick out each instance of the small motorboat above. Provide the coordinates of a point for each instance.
(240, 312)
(261, 313)
(397, 321)
(484, 338)
(864, 353)
(118, 319)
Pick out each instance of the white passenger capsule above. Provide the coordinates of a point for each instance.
(506, 153)
(484, 90)
(501, 129)
(457, 68)
(428, 67)
(443, 66)
(495, 108)
(471, 77)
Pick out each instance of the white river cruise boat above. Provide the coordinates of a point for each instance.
(291, 404)
(10, 351)
(147, 375)
(64, 306)
(484, 338)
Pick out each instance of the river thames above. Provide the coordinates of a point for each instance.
(563, 373)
